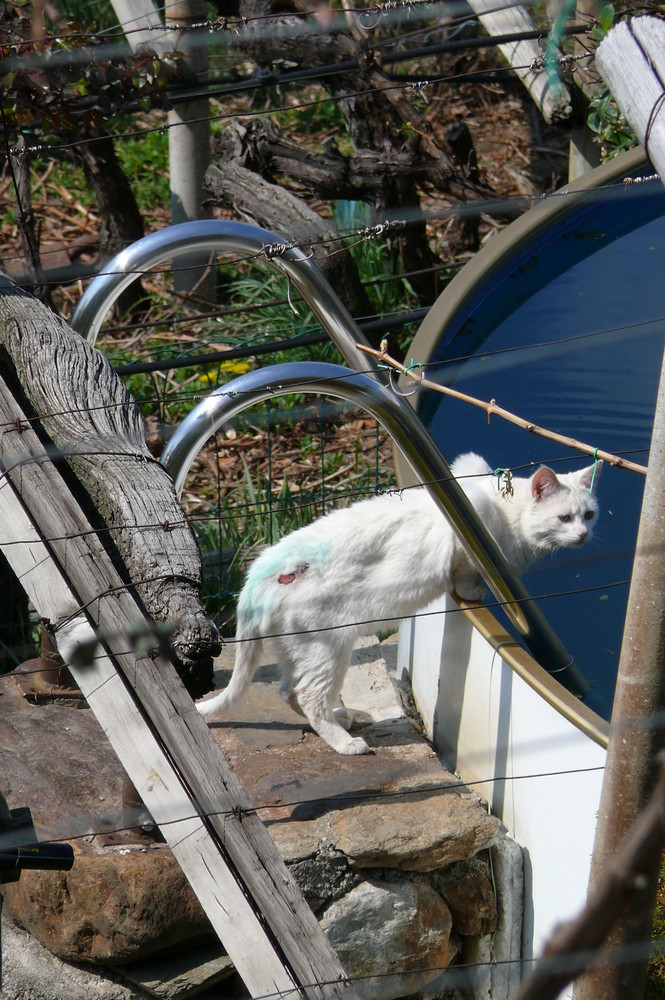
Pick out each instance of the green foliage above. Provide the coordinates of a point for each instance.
(605, 119)
(608, 123)
(377, 260)
(144, 160)
(66, 98)
(605, 22)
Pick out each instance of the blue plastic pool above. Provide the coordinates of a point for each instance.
(567, 330)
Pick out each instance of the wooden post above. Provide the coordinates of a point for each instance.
(631, 59)
(189, 125)
(165, 746)
(636, 732)
(504, 18)
(583, 151)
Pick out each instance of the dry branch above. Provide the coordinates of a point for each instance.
(492, 409)
(234, 184)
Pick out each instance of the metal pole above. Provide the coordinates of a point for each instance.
(636, 732)
(400, 420)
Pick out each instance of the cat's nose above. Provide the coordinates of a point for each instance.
(582, 533)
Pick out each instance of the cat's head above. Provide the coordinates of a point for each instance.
(563, 509)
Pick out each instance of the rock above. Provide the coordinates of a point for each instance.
(324, 878)
(30, 972)
(387, 933)
(449, 827)
(468, 890)
(184, 976)
(114, 906)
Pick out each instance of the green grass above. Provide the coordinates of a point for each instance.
(145, 161)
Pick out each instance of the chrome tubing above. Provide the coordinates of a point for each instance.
(422, 454)
(222, 236)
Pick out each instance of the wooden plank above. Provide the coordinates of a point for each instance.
(631, 59)
(200, 793)
(140, 754)
(506, 18)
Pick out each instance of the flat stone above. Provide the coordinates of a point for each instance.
(449, 827)
(181, 976)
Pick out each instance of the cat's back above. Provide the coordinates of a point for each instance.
(349, 531)
(470, 466)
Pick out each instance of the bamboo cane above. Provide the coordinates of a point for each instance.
(492, 409)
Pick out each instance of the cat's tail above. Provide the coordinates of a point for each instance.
(248, 655)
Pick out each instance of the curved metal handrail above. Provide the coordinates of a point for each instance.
(419, 450)
(217, 235)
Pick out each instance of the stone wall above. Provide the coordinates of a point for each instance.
(391, 851)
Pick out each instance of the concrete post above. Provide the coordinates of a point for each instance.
(189, 143)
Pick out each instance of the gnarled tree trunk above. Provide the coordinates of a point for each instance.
(82, 407)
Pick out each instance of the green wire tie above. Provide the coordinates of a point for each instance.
(408, 368)
(593, 474)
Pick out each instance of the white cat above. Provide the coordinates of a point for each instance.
(350, 572)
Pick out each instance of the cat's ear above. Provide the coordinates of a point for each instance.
(588, 477)
(544, 483)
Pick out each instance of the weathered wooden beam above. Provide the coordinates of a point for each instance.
(164, 744)
(504, 18)
(631, 59)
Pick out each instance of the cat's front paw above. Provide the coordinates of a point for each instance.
(355, 746)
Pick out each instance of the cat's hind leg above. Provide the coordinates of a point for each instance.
(323, 721)
(318, 672)
(342, 715)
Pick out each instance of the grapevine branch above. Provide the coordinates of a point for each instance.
(492, 409)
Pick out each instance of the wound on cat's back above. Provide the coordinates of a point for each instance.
(290, 577)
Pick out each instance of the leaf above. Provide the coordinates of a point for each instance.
(606, 17)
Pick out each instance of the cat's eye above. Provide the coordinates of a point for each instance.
(589, 515)
(564, 517)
